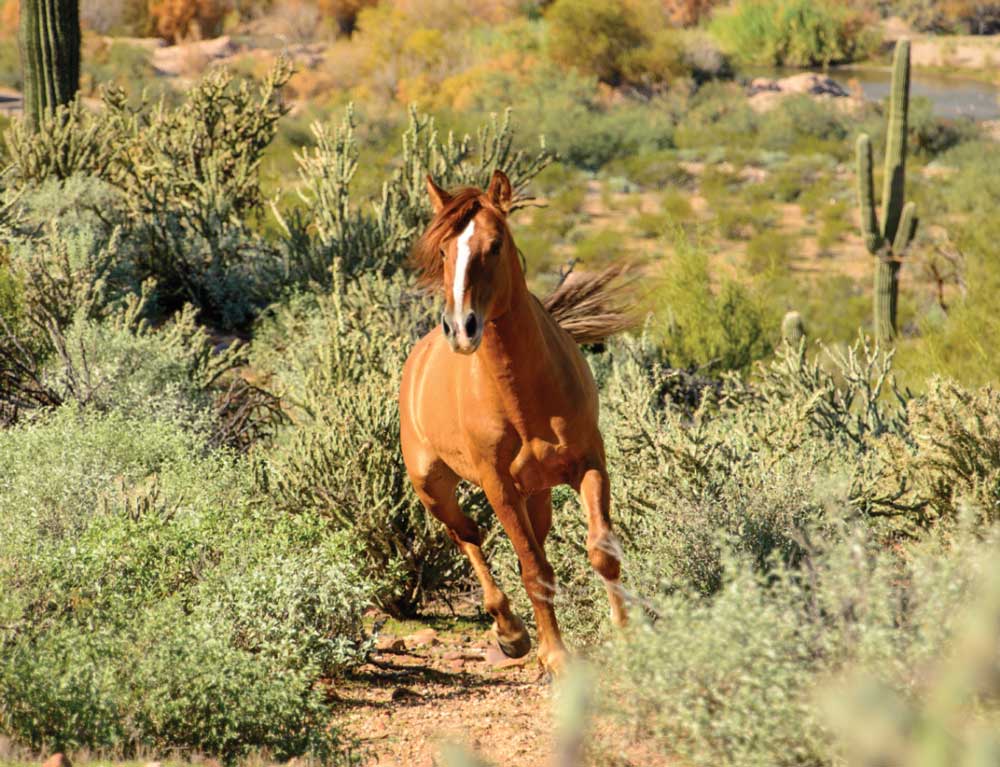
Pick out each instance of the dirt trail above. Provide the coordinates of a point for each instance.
(441, 681)
(434, 686)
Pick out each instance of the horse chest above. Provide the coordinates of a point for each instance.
(540, 464)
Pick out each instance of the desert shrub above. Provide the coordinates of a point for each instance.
(10, 63)
(652, 169)
(125, 66)
(71, 140)
(592, 136)
(948, 460)
(407, 51)
(120, 364)
(961, 16)
(855, 608)
(804, 124)
(600, 38)
(335, 360)
(952, 717)
(717, 115)
(191, 183)
(177, 20)
(599, 248)
(677, 208)
(150, 602)
(769, 252)
(793, 32)
(834, 224)
(721, 327)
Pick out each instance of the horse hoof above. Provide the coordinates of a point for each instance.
(516, 644)
(554, 663)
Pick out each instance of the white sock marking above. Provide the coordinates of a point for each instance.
(461, 266)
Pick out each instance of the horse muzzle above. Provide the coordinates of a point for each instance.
(463, 334)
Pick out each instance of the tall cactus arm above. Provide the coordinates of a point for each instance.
(895, 149)
(50, 54)
(907, 229)
(866, 196)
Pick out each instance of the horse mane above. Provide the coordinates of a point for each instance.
(593, 306)
(453, 218)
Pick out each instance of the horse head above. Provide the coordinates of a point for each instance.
(468, 253)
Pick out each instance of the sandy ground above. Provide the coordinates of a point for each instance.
(432, 688)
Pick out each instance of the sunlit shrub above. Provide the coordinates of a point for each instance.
(150, 602)
(721, 326)
(178, 20)
(738, 680)
(618, 43)
(793, 32)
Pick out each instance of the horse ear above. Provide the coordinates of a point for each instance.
(439, 197)
(500, 192)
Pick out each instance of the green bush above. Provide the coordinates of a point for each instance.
(618, 43)
(150, 602)
(737, 680)
(10, 65)
(721, 327)
(769, 252)
(794, 33)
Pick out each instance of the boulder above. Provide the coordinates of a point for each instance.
(184, 58)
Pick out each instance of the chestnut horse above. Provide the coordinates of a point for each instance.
(499, 395)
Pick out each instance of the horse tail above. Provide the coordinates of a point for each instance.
(593, 306)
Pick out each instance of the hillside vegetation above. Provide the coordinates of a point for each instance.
(204, 310)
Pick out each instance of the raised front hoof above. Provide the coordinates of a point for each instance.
(513, 644)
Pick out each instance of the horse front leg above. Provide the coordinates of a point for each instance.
(603, 548)
(435, 485)
(536, 572)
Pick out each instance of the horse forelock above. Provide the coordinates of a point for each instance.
(464, 205)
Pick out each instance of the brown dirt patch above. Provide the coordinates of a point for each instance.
(426, 688)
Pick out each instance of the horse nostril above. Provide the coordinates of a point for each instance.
(470, 325)
(444, 325)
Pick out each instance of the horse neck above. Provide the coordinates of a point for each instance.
(514, 350)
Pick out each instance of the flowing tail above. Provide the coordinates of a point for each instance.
(593, 306)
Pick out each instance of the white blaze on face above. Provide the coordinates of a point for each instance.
(461, 267)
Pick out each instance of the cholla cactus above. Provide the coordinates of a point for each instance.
(899, 223)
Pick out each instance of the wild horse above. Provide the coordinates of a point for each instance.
(499, 395)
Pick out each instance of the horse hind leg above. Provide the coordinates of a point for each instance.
(437, 493)
(603, 548)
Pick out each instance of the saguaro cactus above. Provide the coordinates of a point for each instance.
(50, 54)
(793, 329)
(899, 220)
